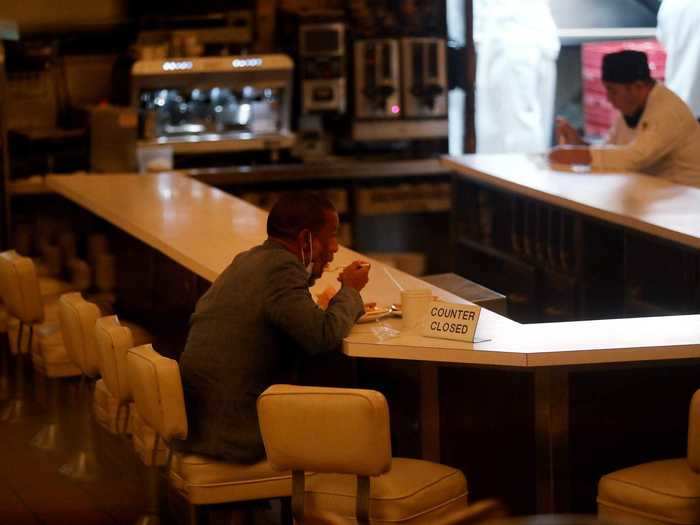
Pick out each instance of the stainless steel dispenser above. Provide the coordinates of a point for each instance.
(214, 104)
(400, 89)
(424, 77)
(377, 82)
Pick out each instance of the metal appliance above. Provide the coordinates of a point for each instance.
(400, 89)
(214, 104)
(322, 52)
(424, 77)
(377, 82)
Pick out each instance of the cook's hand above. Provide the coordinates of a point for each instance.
(355, 275)
(566, 133)
(570, 155)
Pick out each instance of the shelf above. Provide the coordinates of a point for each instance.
(577, 36)
(497, 253)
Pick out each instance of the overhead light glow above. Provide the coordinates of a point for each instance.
(171, 65)
(246, 62)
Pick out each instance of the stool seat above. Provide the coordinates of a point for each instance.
(658, 492)
(413, 491)
(51, 289)
(12, 328)
(106, 408)
(49, 355)
(204, 480)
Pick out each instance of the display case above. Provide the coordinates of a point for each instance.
(214, 104)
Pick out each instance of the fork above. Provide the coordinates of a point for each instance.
(340, 267)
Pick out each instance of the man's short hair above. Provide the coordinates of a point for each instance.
(294, 212)
(626, 67)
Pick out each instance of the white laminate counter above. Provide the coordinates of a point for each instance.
(644, 203)
(202, 228)
(198, 226)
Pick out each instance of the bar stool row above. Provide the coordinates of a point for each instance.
(140, 393)
(341, 435)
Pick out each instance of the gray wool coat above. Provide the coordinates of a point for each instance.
(247, 333)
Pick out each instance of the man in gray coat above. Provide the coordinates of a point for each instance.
(258, 318)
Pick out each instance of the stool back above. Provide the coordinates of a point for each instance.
(694, 433)
(113, 342)
(157, 390)
(19, 286)
(326, 430)
(78, 318)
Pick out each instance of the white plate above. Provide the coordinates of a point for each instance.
(375, 314)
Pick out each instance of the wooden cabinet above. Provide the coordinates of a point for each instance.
(557, 265)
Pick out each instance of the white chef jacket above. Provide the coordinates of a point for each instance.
(678, 29)
(517, 46)
(666, 142)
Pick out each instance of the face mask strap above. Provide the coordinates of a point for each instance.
(311, 253)
(311, 249)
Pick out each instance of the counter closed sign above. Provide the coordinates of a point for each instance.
(452, 321)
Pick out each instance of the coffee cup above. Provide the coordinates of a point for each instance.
(414, 307)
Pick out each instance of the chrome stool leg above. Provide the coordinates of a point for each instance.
(50, 437)
(83, 465)
(20, 406)
(5, 391)
(152, 514)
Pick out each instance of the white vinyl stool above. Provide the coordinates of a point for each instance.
(343, 436)
(113, 342)
(78, 318)
(20, 288)
(665, 492)
(157, 389)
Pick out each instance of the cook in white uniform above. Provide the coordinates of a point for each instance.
(655, 133)
(517, 46)
(678, 29)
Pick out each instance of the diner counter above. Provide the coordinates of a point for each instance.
(202, 228)
(644, 203)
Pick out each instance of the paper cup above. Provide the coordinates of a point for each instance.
(414, 306)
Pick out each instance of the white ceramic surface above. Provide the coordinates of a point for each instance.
(641, 202)
(202, 228)
(414, 306)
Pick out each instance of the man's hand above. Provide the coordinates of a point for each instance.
(567, 134)
(570, 155)
(355, 275)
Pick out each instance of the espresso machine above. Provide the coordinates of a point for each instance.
(205, 105)
(322, 55)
